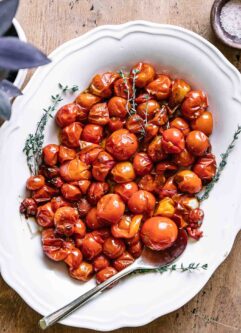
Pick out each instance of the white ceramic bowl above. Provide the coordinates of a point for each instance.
(44, 285)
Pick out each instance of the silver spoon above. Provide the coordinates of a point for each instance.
(149, 261)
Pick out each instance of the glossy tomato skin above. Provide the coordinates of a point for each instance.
(58, 202)
(142, 164)
(50, 154)
(48, 172)
(70, 135)
(148, 109)
(160, 88)
(122, 87)
(159, 233)
(110, 209)
(74, 170)
(127, 227)
(194, 104)
(197, 143)
(102, 166)
(44, 194)
(165, 207)
(173, 141)
(205, 167)
(135, 124)
(180, 88)
(181, 125)
(144, 73)
(125, 190)
(35, 182)
(155, 149)
(125, 260)
(74, 257)
(122, 144)
(184, 158)
(67, 114)
(64, 220)
(168, 189)
(142, 202)
(151, 131)
(143, 97)
(28, 207)
(65, 154)
(203, 123)
(115, 124)
(136, 249)
(54, 247)
(89, 153)
(90, 247)
(123, 172)
(83, 273)
(151, 183)
(118, 107)
(161, 116)
(188, 182)
(45, 215)
(105, 274)
(83, 207)
(92, 133)
(101, 84)
(113, 247)
(71, 192)
(96, 191)
(87, 100)
(99, 114)
(100, 262)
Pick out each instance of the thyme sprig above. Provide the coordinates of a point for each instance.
(222, 164)
(34, 143)
(170, 268)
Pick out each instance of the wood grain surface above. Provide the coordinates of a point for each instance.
(49, 23)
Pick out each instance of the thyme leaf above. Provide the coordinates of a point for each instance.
(222, 164)
(34, 142)
(170, 268)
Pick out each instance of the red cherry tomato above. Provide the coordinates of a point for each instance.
(142, 202)
(99, 114)
(181, 125)
(101, 84)
(180, 89)
(194, 104)
(144, 73)
(92, 133)
(74, 170)
(113, 248)
(123, 172)
(188, 181)
(118, 107)
(100, 262)
(197, 143)
(35, 182)
(45, 215)
(67, 114)
(66, 154)
(159, 233)
(160, 87)
(173, 141)
(96, 191)
(110, 208)
(123, 88)
(50, 154)
(142, 164)
(70, 135)
(203, 123)
(83, 273)
(125, 190)
(105, 274)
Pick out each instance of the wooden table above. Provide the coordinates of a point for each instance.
(49, 23)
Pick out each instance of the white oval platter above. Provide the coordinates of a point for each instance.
(45, 285)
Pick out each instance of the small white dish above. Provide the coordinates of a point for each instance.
(45, 285)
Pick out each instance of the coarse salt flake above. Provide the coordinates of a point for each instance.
(231, 18)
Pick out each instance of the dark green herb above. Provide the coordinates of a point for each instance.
(222, 164)
(34, 143)
(170, 268)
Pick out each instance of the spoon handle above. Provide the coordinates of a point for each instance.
(54, 317)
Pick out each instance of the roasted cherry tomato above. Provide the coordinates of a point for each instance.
(181, 125)
(35, 182)
(142, 202)
(102, 166)
(99, 114)
(135, 124)
(115, 124)
(165, 207)
(89, 152)
(188, 181)
(86, 100)
(127, 227)
(74, 258)
(179, 90)
(58, 202)
(168, 189)
(142, 164)
(104, 274)
(197, 143)
(162, 167)
(48, 172)
(71, 192)
(45, 193)
(66, 154)
(184, 158)
(83, 207)
(203, 123)
(64, 220)
(83, 272)
(118, 107)
(100, 262)
(125, 190)
(45, 215)
(101, 84)
(151, 183)
(136, 249)
(195, 218)
(161, 117)
(110, 208)
(143, 74)
(28, 207)
(113, 248)
(92, 133)
(143, 97)
(122, 144)
(54, 247)
(90, 247)
(151, 131)
(92, 221)
(96, 191)
(70, 135)
(194, 104)
(173, 141)
(155, 150)
(50, 154)
(123, 172)
(123, 88)
(206, 167)
(67, 114)
(74, 170)
(160, 87)
(148, 109)
(125, 260)
(159, 233)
